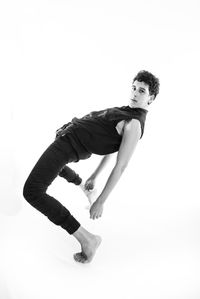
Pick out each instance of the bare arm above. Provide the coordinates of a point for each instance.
(131, 136)
(101, 166)
(90, 183)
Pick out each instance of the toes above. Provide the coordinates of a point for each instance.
(80, 257)
(77, 256)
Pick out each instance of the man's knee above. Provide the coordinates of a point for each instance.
(26, 191)
(30, 192)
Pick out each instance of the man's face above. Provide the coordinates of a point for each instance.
(140, 97)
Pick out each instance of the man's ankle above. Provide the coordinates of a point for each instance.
(82, 235)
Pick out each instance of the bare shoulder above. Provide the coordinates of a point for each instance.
(130, 138)
(133, 128)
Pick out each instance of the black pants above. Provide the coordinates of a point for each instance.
(52, 163)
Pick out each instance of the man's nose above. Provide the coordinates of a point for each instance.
(135, 92)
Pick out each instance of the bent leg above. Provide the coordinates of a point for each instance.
(70, 175)
(42, 175)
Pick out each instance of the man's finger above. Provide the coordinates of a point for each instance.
(92, 215)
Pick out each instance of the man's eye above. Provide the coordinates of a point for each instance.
(141, 91)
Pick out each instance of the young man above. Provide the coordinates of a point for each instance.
(102, 132)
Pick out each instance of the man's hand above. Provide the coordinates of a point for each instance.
(61, 131)
(89, 184)
(96, 210)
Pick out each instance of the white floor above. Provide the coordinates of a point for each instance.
(147, 251)
(83, 55)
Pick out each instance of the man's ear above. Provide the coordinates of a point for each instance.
(151, 99)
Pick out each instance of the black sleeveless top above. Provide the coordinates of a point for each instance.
(96, 132)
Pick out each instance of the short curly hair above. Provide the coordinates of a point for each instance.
(150, 80)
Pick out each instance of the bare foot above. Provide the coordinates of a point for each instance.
(88, 250)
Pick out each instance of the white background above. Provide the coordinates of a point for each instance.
(60, 59)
